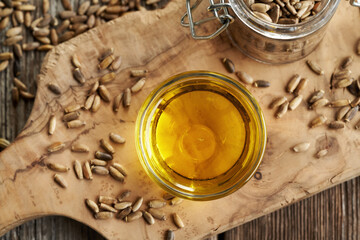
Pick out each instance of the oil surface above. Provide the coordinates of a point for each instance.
(200, 134)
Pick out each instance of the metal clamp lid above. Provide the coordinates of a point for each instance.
(220, 12)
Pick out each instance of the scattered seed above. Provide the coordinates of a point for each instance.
(80, 147)
(301, 147)
(316, 96)
(336, 125)
(318, 121)
(116, 138)
(343, 83)
(79, 76)
(170, 235)
(302, 85)
(177, 220)
(15, 95)
(107, 78)
(76, 124)
(92, 205)
(30, 46)
(89, 102)
(137, 204)
(261, 84)
(156, 204)
(127, 97)
(138, 85)
(107, 200)
(116, 174)
(6, 56)
(123, 213)
(60, 180)
(71, 116)
(133, 216)
(57, 167)
(26, 95)
(293, 83)
(107, 146)
(295, 102)
(106, 62)
(124, 194)
(342, 112)
(72, 108)
(319, 103)
(116, 64)
(351, 114)
(315, 67)
(52, 125)
(339, 103)
(106, 53)
(4, 65)
(87, 171)
(342, 74)
(117, 102)
(277, 102)
(346, 62)
(55, 147)
(99, 170)
(96, 104)
(98, 162)
(103, 156)
(148, 218)
(321, 153)
(104, 215)
(75, 61)
(104, 206)
(122, 205)
(78, 170)
(282, 110)
(94, 88)
(244, 77)
(17, 50)
(138, 72)
(4, 143)
(104, 93)
(176, 201)
(158, 214)
(355, 102)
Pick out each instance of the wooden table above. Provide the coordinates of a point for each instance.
(332, 214)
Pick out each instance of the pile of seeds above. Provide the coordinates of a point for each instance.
(284, 11)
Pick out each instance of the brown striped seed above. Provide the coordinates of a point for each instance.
(244, 77)
(318, 121)
(177, 220)
(26, 95)
(282, 110)
(107, 146)
(133, 216)
(26, 7)
(27, 19)
(15, 95)
(71, 116)
(138, 72)
(343, 83)
(4, 22)
(4, 65)
(52, 124)
(66, 4)
(94, 88)
(92, 9)
(84, 7)
(301, 147)
(127, 97)
(96, 104)
(156, 204)
(116, 63)
(30, 46)
(107, 78)
(98, 162)
(62, 28)
(122, 205)
(336, 125)
(75, 124)
(124, 194)
(6, 56)
(342, 112)
(89, 102)
(80, 147)
(72, 108)
(176, 201)
(4, 143)
(295, 102)
(106, 207)
(355, 102)
(293, 83)
(106, 62)
(351, 114)
(78, 170)
(18, 50)
(137, 204)
(116, 174)
(339, 103)
(57, 146)
(120, 168)
(158, 214)
(46, 47)
(79, 76)
(342, 74)
(91, 21)
(104, 215)
(346, 62)
(117, 102)
(100, 170)
(138, 85)
(57, 167)
(106, 199)
(148, 218)
(261, 84)
(277, 102)
(67, 14)
(60, 180)
(315, 67)
(87, 171)
(319, 103)
(116, 138)
(170, 235)
(302, 85)
(103, 156)
(106, 53)
(75, 60)
(54, 88)
(104, 93)
(316, 96)
(92, 205)
(229, 65)
(321, 153)
(123, 213)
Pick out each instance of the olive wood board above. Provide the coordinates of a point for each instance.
(155, 41)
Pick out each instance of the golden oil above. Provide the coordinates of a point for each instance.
(200, 138)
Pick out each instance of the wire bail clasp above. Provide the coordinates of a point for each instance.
(220, 12)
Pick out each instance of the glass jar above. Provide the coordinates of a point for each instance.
(200, 135)
(264, 41)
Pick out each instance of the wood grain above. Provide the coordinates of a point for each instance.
(331, 223)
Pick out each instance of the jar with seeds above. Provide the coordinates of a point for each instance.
(271, 31)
